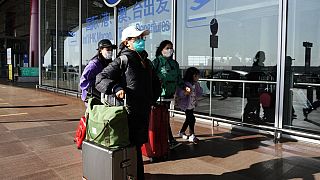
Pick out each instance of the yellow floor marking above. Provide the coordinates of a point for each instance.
(17, 114)
(3, 103)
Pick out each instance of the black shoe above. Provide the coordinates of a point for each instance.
(305, 112)
(294, 116)
(223, 98)
(174, 144)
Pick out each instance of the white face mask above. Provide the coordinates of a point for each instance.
(107, 54)
(167, 52)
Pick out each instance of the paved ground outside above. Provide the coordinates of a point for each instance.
(36, 142)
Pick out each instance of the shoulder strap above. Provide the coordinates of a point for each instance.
(123, 60)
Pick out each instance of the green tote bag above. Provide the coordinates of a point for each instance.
(107, 125)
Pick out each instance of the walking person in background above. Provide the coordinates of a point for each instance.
(168, 72)
(94, 67)
(315, 104)
(135, 80)
(187, 100)
(252, 108)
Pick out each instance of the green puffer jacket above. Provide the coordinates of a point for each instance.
(169, 73)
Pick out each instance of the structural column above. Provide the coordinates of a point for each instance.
(34, 34)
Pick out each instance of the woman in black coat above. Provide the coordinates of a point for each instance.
(132, 77)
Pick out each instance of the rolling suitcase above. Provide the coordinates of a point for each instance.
(157, 147)
(101, 163)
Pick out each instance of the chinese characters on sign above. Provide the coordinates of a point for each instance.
(99, 26)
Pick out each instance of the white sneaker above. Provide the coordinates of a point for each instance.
(193, 139)
(183, 135)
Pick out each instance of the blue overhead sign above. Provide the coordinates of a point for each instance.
(111, 3)
(199, 4)
(198, 12)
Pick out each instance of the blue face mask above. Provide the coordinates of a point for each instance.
(139, 45)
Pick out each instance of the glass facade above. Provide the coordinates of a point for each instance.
(48, 42)
(302, 67)
(245, 27)
(97, 23)
(152, 15)
(240, 62)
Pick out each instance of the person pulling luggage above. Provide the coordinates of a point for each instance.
(135, 80)
(168, 72)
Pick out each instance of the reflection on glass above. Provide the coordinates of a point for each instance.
(97, 24)
(302, 76)
(48, 41)
(68, 45)
(152, 15)
(244, 28)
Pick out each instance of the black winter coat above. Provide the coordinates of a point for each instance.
(141, 85)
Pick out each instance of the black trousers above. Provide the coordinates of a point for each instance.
(170, 135)
(189, 121)
(140, 168)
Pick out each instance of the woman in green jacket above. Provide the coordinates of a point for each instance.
(169, 74)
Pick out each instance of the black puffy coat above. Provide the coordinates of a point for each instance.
(141, 85)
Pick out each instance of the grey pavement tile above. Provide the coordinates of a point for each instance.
(48, 142)
(20, 165)
(48, 152)
(8, 136)
(3, 129)
(12, 148)
(42, 175)
(61, 156)
(34, 132)
(23, 125)
(70, 172)
(64, 127)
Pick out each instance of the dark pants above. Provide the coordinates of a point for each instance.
(170, 136)
(252, 109)
(189, 121)
(314, 106)
(140, 168)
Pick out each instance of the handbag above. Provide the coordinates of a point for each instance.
(107, 125)
(81, 132)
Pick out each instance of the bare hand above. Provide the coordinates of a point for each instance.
(187, 91)
(120, 94)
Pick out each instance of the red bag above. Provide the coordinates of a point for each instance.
(265, 99)
(157, 148)
(81, 132)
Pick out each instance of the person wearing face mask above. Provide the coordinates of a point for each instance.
(169, 74)
(131, 76)
(95, 66)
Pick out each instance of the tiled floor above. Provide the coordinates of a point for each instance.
(36, 142)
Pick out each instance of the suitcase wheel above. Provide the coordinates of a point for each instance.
(153, 159)
(158, 159)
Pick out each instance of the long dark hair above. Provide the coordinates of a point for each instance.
(191, 71)
(98, 55)
(162, 46)
(260, 56)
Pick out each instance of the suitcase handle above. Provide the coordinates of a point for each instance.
(126, 163)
